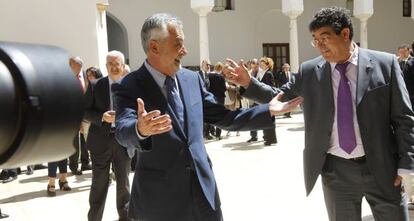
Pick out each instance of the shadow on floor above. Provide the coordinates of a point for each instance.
(244, 146)
(41, 193)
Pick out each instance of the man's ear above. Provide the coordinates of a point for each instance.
(345, 33)
(153, 46)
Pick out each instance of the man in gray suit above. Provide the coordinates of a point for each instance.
(359, 127)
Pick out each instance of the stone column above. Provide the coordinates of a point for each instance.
(202, 8)
(292, 9)
(363, 10)
(412, 10)
(102, 34)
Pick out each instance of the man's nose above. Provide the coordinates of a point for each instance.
(183, 51)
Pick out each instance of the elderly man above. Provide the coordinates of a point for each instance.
(101, 142)
(76, 64)
(174, 179)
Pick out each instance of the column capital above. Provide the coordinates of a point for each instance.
(363, 9)
(292, 8)
(202, 7)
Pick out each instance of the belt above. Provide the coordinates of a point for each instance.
(362, 159)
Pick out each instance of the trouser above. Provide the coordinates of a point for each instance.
(121, 163)
(345, 182)
(79, 144)
(52, 167)
(269, 135)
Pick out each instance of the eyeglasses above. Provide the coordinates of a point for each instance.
(322, 40)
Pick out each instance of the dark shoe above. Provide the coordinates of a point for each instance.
(209, 137)
(3, 215)
(29, 170)
(252, 140)
(39, 167)
(51, 191)
(10, 179)
(4, 175)
(77, 172)
(86, 167)
(269, 143)
(64, 186)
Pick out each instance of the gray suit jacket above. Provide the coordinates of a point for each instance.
(383, 109)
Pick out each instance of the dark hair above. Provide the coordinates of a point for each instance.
(95, 72)
(335, 17)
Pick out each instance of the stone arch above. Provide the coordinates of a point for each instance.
(117, 36)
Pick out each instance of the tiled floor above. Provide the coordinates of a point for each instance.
(256, 183)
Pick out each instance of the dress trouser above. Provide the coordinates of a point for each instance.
(269, 135)
(84, 154)
(346, 181)
(121, 163)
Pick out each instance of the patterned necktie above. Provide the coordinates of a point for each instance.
(174, 99)
(345, 123)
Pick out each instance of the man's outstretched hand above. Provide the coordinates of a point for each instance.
(236, 73)
(151, 123)
(277, 107)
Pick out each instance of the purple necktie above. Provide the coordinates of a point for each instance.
(346, 132)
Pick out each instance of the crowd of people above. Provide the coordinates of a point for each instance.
(357, 109)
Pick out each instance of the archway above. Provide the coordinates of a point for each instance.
(117, 36)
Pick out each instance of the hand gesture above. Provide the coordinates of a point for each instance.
(236, 73)
(151, 123)
(277, 107)
(109, 116)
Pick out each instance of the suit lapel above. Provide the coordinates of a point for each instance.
(185, 90)
(324, 76)
(105, 93)
(365, 68)
(157, 100)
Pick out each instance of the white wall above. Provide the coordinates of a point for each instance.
(237, 34)
(240, 33)
(67, 24)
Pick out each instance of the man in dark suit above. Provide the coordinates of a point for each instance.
(203, 72)
(218, 89)
(76, 65)
(358, 121)
(284, 76)
(174, 179)
(101, 142)
(406, 62)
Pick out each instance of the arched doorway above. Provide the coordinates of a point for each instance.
(117, 36)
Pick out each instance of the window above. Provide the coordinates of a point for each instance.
(221, 5)
(406, 8)
(229, 5)
(279, 52)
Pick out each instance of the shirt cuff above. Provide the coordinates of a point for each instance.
(401, 171)
(140, 137)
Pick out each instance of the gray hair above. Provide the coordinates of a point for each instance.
(155, 28)
(117, 54)
(76, 60)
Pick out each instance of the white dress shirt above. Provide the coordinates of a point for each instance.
(352, 74)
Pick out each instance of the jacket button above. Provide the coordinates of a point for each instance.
(187, 168)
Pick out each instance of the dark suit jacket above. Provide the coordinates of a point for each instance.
(97, 103)
(383, 111)
(280, 79)
(161, 188)
(268, 78)
(217, 86)
(408, 72)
